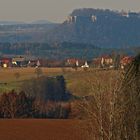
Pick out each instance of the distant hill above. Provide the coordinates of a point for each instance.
(86, 33)
(41, 22)
(33, 22)
(31, 32)
(104, 28)
(10, 23)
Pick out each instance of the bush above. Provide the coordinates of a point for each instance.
(14, 105)
(57, 110)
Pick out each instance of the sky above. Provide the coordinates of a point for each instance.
(56, 10)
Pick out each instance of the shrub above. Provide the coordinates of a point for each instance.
(13, 105)
(51, 109)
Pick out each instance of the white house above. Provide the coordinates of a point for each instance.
(85, 65)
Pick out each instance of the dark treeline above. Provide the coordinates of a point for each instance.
(43, 97)
(60, 51)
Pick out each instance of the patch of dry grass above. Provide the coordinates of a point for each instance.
(77, 81)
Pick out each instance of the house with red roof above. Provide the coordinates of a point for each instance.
(125, 61)
(5, 62)
(104, 61)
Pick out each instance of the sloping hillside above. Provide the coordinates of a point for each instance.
(33, 32)
(102, 28)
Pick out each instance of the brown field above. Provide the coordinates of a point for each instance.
(40, 130)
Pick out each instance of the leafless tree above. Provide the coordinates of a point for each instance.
(127, 104)
(98, 107)
(112, 110)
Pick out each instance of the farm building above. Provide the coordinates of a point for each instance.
(74, 62)
(85, 65)
(103, 61)
(34, 63)
(125, 61)
(5, 62)
(18, 61)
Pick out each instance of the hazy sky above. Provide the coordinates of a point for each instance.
(56, 10)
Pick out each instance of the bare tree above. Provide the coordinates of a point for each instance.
(112, 110)
(13, 105)
(127, 104)
(98, 107)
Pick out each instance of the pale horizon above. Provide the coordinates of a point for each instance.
(54, 11)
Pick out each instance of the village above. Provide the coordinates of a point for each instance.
(101, 62)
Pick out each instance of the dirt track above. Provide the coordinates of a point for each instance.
(39, 130)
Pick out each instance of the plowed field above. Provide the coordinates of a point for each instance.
(40, 130)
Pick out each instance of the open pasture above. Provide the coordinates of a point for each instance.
(78, 82)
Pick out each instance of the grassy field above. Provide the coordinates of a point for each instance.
(9, 81)
(78, 82)
(40, 130)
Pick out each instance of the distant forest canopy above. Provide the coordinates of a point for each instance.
(91, 11)
(61, 51)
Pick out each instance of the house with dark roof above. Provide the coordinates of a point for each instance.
(19, 61)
